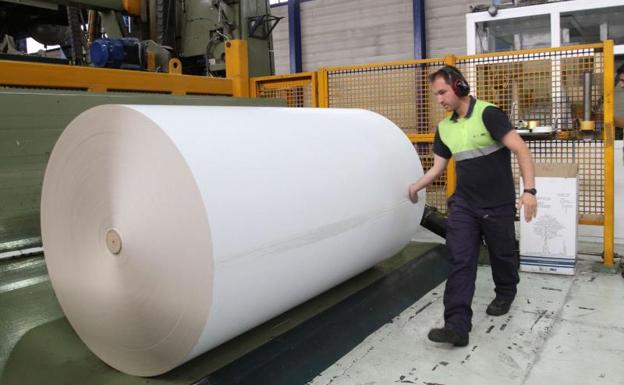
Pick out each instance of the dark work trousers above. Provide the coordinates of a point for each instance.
(465, 226)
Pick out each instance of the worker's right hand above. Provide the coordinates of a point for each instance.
(413, 193)
(529, 203)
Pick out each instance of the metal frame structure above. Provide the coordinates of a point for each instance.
(38, 75)
(554, 10)
(399, 91)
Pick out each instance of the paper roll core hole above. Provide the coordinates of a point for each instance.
(113, 241)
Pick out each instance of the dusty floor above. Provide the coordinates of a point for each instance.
(561, 330)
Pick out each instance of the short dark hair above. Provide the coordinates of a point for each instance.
(620, 70)
(449, 73)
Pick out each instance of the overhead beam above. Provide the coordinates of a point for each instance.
(420, 37)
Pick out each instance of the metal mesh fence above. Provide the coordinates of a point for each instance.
(542, 88)
(589, 155)
(547, 87)
(296, 91)
(401, 93)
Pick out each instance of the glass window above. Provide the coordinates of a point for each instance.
(592, 26)
(513, 34)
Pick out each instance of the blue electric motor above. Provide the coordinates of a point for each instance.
(126, 53)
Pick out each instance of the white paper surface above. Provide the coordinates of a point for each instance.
(227, 216)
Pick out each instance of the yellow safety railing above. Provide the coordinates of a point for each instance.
(543, 85)
(546, 86)
(297, 90)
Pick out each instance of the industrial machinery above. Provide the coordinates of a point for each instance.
(139, 34)
(161, 52)
(112, 51)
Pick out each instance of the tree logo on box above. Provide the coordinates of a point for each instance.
(547, 227)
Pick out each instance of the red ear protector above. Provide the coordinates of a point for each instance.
(458, 83)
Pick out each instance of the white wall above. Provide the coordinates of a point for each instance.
(342, 32)
(445, 24)
(355, 31)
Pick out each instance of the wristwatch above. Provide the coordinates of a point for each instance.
(531, 191)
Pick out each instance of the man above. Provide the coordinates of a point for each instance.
(480, 137)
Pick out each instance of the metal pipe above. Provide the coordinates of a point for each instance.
(92, 30)
(587, 94)
(434, 221)
(21, 253)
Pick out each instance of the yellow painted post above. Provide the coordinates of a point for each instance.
(323, 88)
(451, 176)
(237, 66)
(253, 87)
(608, 232)
(133, 7)
(315, 88)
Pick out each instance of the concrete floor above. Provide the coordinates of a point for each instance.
(560, 330)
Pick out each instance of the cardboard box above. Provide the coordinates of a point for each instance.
(548, 242)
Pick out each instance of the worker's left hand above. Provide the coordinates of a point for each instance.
(529, 202)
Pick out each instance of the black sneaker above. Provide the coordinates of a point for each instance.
(498, 307)
(448, 336)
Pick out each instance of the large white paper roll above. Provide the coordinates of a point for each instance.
(168, 230)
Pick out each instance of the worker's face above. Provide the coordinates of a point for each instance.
(621, 78)
(444, 94)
